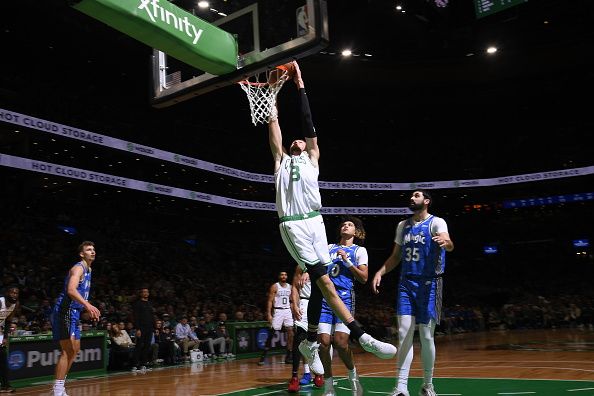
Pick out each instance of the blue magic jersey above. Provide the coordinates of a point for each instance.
(339, 273)
(421, 256)
(84, 287)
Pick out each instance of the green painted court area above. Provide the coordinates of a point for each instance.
(444, 387)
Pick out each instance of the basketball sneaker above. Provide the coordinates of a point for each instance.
(356, 388)
(319, 381)
(427, 390)
(309, 350)
(294, 385)
(306, 379)
(382, 350)
(397, 392)
(329, 390)
(262, 361)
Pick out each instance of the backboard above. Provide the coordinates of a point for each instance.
(268, 32)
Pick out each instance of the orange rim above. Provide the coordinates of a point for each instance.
(253, 84)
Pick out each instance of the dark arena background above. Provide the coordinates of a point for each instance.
(503, 140)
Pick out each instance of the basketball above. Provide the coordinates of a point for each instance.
(289, 67)
(277, 72)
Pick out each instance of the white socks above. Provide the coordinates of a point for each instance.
(353, 373)
(59, 386)
(328, 383)
(406, 325)
(427, 350)
(405, 351)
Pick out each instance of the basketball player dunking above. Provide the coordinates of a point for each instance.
(302, 229)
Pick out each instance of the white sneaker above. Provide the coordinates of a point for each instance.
(397, 392)
(329, 392)
(356, 388)
(309, 350)
(427, 390)
(382, 350)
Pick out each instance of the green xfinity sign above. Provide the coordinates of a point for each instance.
(164, 26)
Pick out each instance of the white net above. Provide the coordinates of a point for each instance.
(262, 95)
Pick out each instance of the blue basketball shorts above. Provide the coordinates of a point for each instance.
(421, 298)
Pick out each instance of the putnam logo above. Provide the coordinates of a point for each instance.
(16, 360)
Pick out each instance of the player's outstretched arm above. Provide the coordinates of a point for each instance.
(275, 138)
(309, 131)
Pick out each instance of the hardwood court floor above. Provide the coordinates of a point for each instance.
(477, 364)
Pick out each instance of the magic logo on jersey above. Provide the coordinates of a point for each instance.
(336, 258)
(414, 238)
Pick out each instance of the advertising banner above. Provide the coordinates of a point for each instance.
(36, 356)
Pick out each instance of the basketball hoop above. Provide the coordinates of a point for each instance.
(262, 95)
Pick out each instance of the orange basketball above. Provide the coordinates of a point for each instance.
(289, 67)
(277, 72)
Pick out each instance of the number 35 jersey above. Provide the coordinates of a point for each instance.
(420, 255)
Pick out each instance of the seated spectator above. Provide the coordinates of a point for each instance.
(239, 316)
(167, 345)
(168, 321)
(209, 338)
(222, 332)
(185, 337)
(122, 347)
(12, 329)
(46, 328)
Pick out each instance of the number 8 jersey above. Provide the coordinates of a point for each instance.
(297, 190)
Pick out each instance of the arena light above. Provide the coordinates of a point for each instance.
(346, 52)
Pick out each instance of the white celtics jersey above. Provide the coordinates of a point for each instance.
(4, 311)
(283, 295)
(297, 190)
